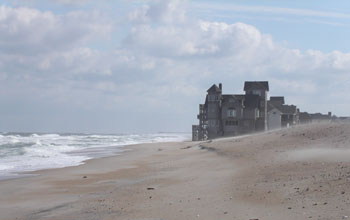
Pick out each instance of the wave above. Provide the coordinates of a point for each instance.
(30, 152)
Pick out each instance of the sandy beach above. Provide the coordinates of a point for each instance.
(297, 173)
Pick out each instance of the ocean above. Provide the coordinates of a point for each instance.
(21, 152)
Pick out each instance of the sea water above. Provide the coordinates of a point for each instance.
(21, 152)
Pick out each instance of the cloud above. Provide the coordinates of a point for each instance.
(270, 10)
(72, 2)
(239, 52)
(160, 11)
(30, 31)
(162, 66)
(68, 3)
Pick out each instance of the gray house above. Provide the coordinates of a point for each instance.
(280, 114)
(230, 114)
(236, 114)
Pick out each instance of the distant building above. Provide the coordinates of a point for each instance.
(305, 118)
(236, 114)
(318, 117)
(229, 114)
(281, 115)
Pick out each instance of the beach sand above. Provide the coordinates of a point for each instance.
(297, 173)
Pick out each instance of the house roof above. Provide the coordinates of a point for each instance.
(206, 101)
(226, 98)
(319, 116)
(270, 106)
(277, 99)
(284, 109)
(288, 109)
(249, 85)
(252, 101)
(269, 109)
(214, 88)
(304, 116)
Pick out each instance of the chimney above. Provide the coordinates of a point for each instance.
(220, 86)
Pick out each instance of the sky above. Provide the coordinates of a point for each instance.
(143, 66)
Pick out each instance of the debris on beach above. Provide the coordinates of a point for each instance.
(184, 148)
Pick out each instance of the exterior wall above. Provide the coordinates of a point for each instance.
(288, 120)
(250, 113)
(274, 119)
(214, 116)
(195, 133)
(265, 110)
(214, 120)
(247, 126)
(262, 124)
(231, 125)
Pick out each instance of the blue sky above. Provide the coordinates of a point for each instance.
(144, 65)
(294, 22)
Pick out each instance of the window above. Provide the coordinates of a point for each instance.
(257, 113)
(213, 123)
(231, 113)
(213, 98)
(231, 123)
(262, 103)
(257, 92)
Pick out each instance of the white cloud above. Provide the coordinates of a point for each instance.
(160, 11)
(30, 31)
(270, 10)
(163, 66)
(54, 2)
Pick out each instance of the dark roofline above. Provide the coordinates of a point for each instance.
(214, 88)
(277, 99)
(256, 85)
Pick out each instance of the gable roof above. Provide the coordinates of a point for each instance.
(284, 109)
(271, 108)
(250, 85)
(214, 88)
(288, 109)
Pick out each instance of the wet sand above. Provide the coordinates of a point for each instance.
(296, 173)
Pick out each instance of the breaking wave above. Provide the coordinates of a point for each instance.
(21, 152)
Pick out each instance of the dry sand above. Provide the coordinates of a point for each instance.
(296, 173)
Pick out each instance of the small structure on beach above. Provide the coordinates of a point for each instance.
(280, 114)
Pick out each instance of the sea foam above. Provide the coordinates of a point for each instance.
(29, 152)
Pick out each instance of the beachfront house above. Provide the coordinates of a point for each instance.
(236, 114)
(232, 114)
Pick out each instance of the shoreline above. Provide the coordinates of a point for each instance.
(237, 178)
(91, 154)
